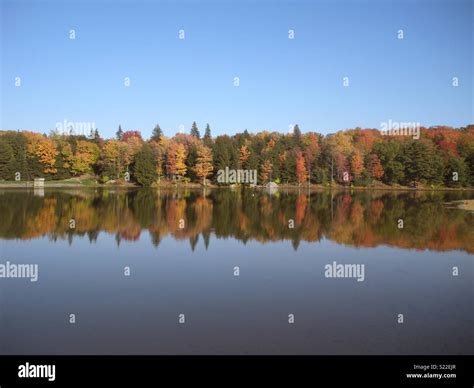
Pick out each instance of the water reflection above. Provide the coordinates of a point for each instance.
(361, 219)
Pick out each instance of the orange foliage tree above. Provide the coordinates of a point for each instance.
(357, 164)
(203, 167)
(266, 171)
(301, 172)
(44, 149)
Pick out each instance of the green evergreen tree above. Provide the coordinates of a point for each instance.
(457, 173)
(6, 160)
(288, 171)
(417, 162)
(144, 168)
(393, 172)
(195, 131)
(297, 136)
(466, 151)
(119, 133)
(18, 143)
(389, 153)
(61, 172)
(157, 133)
(254, 161)
(207, 136)
(221, 155)
(190, 162)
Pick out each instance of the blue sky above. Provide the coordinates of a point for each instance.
(282, 81)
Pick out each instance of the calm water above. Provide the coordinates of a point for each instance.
(182, 249)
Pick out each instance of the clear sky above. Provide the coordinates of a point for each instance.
(282, 81)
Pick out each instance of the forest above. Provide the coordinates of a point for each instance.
(442, 157)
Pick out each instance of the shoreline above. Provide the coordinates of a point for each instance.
(194, 186)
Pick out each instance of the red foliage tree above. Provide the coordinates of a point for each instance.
(127, 135)
(375, 167)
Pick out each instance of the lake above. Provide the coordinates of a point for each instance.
(140, 271)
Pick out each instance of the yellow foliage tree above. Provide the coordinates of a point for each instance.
(44, 149)
(266, 171)
(357, 163)
(244, 155)
(46, 152)
(203, 167)
(85, 156)
(181, 167)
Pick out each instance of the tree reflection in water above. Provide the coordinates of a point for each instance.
(364, 219)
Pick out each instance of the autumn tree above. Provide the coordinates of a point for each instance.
(114, 159)
(84, 158)
(133, 145)
(176, 160)
(374, 166)
(203, 167)
(301, 172)
(43, 150)
(171, 159)
(244, 155)
(266, 172)
(159, 154)
(180, 161)
(340, 147)
(46, 153)
(129, 134)
(357, 164)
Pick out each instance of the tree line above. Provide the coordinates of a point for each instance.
(442, 156)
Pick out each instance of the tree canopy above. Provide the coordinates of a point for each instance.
(441, 156)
